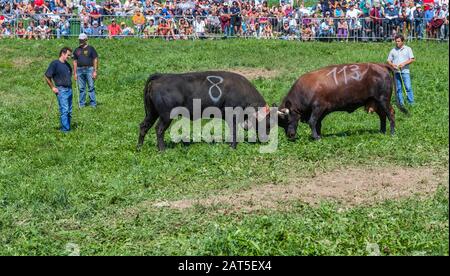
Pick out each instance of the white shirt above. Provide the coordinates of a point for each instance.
(353, 14)
(199, 26)
(397, 56)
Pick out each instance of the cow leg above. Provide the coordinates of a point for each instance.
(382, 116)
(314, 122)
(390, 113)
(161, 127)
(148, 122)
(319, 125)
(233, 130)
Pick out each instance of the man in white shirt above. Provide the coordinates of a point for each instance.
(399, 58)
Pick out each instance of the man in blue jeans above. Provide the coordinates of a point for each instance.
(400, 58)
(85, 65)
(59, 79)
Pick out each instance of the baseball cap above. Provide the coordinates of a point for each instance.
(82, 36)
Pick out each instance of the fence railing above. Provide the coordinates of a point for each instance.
(40, 26)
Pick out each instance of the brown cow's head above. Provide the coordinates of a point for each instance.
(288, 120)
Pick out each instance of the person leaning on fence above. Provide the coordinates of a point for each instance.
(114, 29)
(199, 27)
(63, 28)
(418, 16)
(20, 30)
(399, 59)
(42, 30)
(151, 29)
(59, 78)
(85, 65)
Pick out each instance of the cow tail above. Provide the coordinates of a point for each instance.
(397, 102)
(148, 104)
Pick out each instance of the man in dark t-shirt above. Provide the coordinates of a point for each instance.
(59, 79)
(85, 65)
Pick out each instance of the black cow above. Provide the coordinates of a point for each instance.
(164, 92)
(343, 87)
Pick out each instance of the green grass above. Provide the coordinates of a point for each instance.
(56, 189)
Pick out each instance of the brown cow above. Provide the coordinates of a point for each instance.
(344, 87)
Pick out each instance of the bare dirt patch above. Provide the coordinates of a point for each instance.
(255, 73)
(349, 187)
(23, 62)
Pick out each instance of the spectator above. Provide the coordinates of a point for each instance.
(20, 30)
(342, 31)
(307, 32)
(377, 15)
(392, 16)
(114, 29)
(325, 31)
(445, 27)
(163, 29)
(97, 29)
(419, 16)
(285, 31)
(368, 30)
(108, 9)
(429, 16)
(151, 29)
(7, 31)
(236, 19)
(437, 22)
(30, 31)
(126, 30)
(225, 19)
(86, 28)
(42, 30)
(138, 20)
(63, 28)
(94, 15)
(213, 22)
(267, 31)
(199, 27)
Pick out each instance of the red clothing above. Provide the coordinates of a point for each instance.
(426, 4)
(114, 30)
(38, 2)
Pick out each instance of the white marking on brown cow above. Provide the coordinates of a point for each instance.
(354, 70)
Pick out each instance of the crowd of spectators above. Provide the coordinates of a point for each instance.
(184, 19)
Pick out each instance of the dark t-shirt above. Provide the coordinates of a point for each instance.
(61, 73)
(85, 56)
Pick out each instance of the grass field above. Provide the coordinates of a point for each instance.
(92, 189)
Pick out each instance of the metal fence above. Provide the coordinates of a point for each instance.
(48, 26)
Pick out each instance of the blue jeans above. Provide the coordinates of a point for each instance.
(84, 75)
(64, 97)
(407, 82)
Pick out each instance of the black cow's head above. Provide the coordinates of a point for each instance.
(262, 116)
